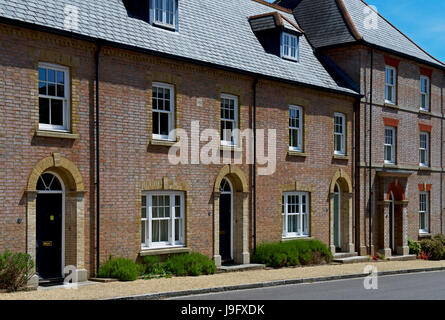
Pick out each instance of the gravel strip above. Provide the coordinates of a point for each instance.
(139, 287)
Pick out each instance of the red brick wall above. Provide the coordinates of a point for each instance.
(409, 117)
(127, 157)
(20, 150)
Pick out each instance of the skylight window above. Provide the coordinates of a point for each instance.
(290, 46)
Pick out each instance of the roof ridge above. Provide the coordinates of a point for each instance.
(273, 5)
(412, 41)
(349, 22)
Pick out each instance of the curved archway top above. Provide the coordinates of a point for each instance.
(65, 168)
(397, 190)
(342, 178)
(235, 175)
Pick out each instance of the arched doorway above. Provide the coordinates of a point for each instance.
(226, 221)
(55, 219)
(391, 223)
(337, 217)
(231, 217)
(341, 218)
(50, 218)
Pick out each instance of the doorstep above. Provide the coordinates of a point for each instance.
(104, 280)
(240, 267)
(407, 257)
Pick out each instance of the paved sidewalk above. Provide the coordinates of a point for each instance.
(141, 287)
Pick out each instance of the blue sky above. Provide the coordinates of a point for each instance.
(422, 21)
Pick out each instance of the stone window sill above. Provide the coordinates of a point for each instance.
(230, 148)
(340, 157)
(296, 154)
(425, 112)
(297, 238)
(391, 105)
(422, 168)
(390, 166)
(56, 134)
(161, 251)
(165, 143)
(424, 235)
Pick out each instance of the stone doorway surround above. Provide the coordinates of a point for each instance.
(238, 180)
(346, 217)
(395, 184)
(74, 213)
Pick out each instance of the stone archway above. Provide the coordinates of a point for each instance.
(238, 180)
(341, 199)
(394, 221)
(74, 212)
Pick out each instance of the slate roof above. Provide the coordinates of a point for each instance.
(331, 22)
(387, 35)
(323, 23)
(210, 31)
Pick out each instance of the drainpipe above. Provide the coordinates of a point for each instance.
(96, 57)
(255, 83)
(370, 152)
(441, 159)
(357, 174)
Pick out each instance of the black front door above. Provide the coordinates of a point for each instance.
(49, 235)
(225, 207)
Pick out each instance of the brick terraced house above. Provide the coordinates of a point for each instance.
(401, 164)
(94, 94)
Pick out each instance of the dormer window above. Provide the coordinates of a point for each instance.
(165, 12)
(278, 34)
(289, 46)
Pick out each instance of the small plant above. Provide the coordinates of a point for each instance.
(375, 258)
(16, 269)
(193, 264)
(414, 247)
(153, 268)
(381, 256)
(423, 256)
(120, 268)
(433, 247)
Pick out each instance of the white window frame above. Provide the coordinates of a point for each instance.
(299, 147)
(390, 86)
(392, 145)
(424, 149)
(342, 150)
(163, 13)
(148, 243)
(286, 49)
(66, 99)
(425, 93)
(171, 113)
(304, 228)
(424, 211)
(235, 131)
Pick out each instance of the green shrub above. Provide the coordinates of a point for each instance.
(440, 237)
(292, 253)
(15, 270)
(193, 264)
(152, 265)
(414, 247)
(120, 268)
(153, 268)
(433, 248)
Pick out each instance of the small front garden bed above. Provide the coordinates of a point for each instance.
(192, 264)
(293, 253)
